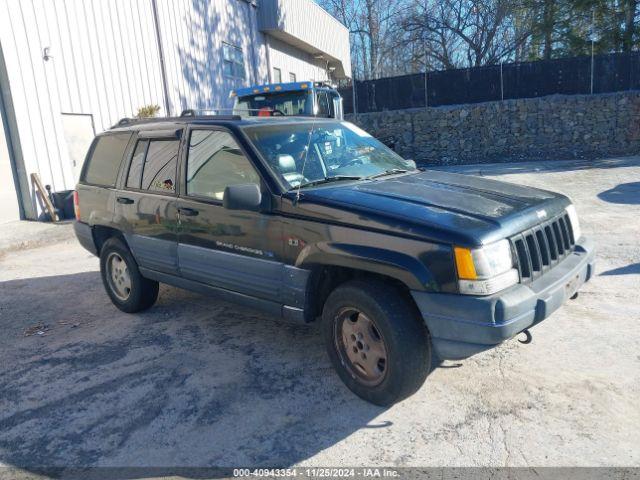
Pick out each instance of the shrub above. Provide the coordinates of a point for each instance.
(148, 111)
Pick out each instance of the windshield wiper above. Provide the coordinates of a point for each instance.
(337, 178)
(392, 171)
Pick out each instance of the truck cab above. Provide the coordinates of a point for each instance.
(309, 99)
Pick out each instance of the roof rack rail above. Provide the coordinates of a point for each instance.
(124, 121)
(207, 113)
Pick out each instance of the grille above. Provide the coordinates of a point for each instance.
(541, 248)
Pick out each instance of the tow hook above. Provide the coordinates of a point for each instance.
(528, 338)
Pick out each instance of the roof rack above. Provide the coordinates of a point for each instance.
(206, 113)
(124, 121)
(130, 121)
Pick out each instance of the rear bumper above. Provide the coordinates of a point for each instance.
(84, 234)
(462, 325)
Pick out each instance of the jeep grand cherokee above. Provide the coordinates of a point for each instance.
(312, 219)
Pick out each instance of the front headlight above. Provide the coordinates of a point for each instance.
(575, 224)
(485, 270)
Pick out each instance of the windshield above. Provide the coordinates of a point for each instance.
(336, 150)
(286, 103)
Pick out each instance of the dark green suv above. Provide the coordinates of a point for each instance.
(311, 219)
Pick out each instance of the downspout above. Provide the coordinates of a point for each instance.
(254, 68)
(163, 68)
(268, 48)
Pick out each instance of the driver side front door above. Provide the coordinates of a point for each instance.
(238, 251)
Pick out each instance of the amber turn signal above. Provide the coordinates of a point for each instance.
(464, 264)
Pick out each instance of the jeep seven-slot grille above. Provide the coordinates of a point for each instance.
(543, 247)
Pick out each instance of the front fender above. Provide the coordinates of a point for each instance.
(404, 267)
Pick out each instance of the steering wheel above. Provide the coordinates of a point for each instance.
(279, 113)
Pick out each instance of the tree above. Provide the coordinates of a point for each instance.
(372, 26)
(393, 37)
(466, 33)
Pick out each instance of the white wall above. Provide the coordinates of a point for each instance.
(291, 60)
(307, 26)
(105, 62)
(193, 34)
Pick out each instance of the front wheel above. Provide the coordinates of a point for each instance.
(375, 341)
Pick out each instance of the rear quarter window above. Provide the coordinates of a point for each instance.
(160, 165)
(105, 159)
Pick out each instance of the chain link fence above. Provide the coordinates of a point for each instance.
(567, 76)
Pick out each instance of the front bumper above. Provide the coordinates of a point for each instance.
(462, 325)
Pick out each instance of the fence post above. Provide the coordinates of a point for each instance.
(501, 83)
(426, 94)
(353, 96)
(592, 36)
(591, 66)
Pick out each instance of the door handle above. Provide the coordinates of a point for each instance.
(188, 212)
(125, 200)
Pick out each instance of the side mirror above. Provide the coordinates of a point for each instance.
(411, 164)
(242, 197)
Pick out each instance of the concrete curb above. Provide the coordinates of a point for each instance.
(24, 235)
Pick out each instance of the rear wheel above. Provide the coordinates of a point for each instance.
(127, 288)
(375, 341)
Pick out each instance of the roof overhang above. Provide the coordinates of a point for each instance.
(308, 27)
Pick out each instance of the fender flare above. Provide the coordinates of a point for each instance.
(398, 265)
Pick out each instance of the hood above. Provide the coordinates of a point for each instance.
(442, 206)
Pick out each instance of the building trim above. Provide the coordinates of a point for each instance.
(163, 68)
(16, 160)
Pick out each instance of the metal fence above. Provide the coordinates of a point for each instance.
(569, 76)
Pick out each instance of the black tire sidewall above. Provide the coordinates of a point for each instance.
(405, 336)
(143, 291)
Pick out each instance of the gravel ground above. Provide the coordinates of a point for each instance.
(198, 382)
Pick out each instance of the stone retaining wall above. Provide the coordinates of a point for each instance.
(554, 127)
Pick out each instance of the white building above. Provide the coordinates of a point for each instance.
(72, 68)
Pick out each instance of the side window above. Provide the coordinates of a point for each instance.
(335, 105)
(102, 168)
(134, 179)
(323, 105)
(215, 161)
(232, 61)
(277, 75)
(159, 170)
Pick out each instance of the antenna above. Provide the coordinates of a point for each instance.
(306, 155)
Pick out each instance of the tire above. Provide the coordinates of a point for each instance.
(128, 290)
(382, 314)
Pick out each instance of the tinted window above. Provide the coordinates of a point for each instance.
(323, 105)
(334, 149)
(215, 161)
(104, 163)
(159, 172)
(137, 161)
(289, 103)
